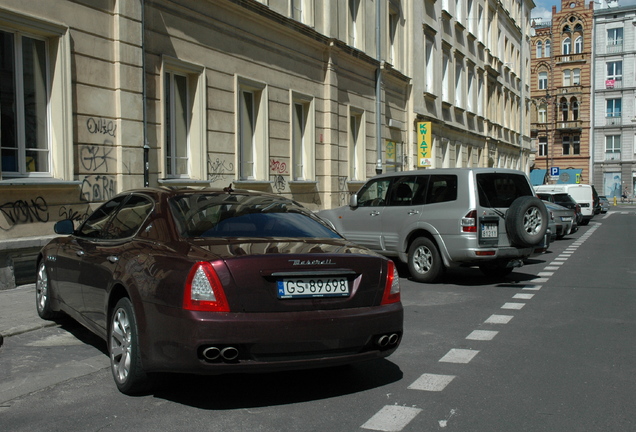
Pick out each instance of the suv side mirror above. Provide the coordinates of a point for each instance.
(353, 201)
(64, 227)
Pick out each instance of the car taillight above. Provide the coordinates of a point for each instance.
(203, 290)
(392, 287)
(469, 222)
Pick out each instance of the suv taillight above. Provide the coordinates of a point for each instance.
(469, 222)
(203, 290)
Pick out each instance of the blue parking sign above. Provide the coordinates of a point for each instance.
(554, 171)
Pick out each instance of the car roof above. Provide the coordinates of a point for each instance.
(442, 171)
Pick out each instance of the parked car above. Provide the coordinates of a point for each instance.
(563, 217)
(216, 281)
(605, 205)
(584, 195)
(564, 200)
(437, 218)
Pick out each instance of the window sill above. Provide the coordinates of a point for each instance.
(39, 182)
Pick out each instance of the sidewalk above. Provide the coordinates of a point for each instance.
(18, 313)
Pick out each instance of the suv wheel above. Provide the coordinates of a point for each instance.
(526, 221)
(425, 262)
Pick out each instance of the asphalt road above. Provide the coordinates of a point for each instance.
(549, 348)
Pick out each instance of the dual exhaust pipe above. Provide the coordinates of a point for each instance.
(387, 340)
(227, 353)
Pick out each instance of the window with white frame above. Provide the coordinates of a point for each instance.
(394, 33)
(430, 64)
(356, 145)
(25, 145)
(578, 45)
(539, 49)
(543, 113)
(613, 107)
(567, 77)
(355, 21)
(547, 48)
(565, 141)
(614, 40)
(543, 146)
(470, 93)
(445, 77)
(252, 154)
(302, 132)
(184, 120)
(576, 76)
(459, 82)
(543, 80)
(302, 11)
(615, 70)
(566, 48)
(576, 144)
(612, 147)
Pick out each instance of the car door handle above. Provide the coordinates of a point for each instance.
(113, 259)
(80, 253)
(413, 212)
(375, 213)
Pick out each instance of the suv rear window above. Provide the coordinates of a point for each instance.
(501, 189)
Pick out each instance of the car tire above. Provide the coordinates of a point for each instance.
(526, 221)
(495, 269)
(424, 260)
(124, 350)
(43, 294)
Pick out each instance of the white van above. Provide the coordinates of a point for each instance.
(583, 194)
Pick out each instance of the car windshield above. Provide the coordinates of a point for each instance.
(235, 215)
(501, 189)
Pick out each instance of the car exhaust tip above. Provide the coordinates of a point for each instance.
(394, 338)
(229, 353)
(383, 341)
(211, 353)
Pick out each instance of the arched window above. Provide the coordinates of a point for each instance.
(567, 46)
(547, 48)
(578, 45)
(543, 80)
(574, 104)
(539, 49)
(564, 109)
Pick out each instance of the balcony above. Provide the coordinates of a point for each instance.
(614, 47)
(613, 156)
(575, 89)
(571, 125)
(571, 58)
(613, 120)
(611, 84)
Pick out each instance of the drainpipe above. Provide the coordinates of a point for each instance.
(378, 86)
(143, 95)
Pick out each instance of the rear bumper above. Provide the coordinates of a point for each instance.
(266, 341)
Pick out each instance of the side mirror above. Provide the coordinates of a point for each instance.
(353, 201)
(64, 227)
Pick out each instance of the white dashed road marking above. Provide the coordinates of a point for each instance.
(456, 355)
(499, 319)
(432, 382)
(482, 335)
(391, 418)
(514, 306)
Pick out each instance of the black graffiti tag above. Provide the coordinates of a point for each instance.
(95, 157)
(97, 188)
(21, 211)
(101, 126)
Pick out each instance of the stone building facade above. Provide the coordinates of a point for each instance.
(306, 98)
(561, 90)
(614, 151)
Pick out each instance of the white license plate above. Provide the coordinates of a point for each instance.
(566, 219)
(313, 287)
(489, 230)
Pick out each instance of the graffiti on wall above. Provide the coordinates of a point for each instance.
(76, 216)
(101, 126)
(93, 157)
(218, 168)
(277, 167)
(22, 212)
(98, 188)
(343, 190)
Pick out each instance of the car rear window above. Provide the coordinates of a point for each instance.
(234, 215)
(501, 189)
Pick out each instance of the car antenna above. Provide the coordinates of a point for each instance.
(228, 189)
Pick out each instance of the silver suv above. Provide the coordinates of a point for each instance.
(438, 218)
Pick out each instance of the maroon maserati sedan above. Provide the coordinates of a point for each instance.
(209, 281)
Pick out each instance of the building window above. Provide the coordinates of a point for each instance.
(613, 147)
(459, 82)
(177, 121)
(394, 34)
(356, 29)
(547, 48)
(445, 77)
(539, 49)
(303, 151)
(184, 120)
(252, 155)
(566, 145)
(356, 146)
(543, 113)
(614, 40)
(543, 80)
(24, 93)
(567, 46)
(576, 76)
(615, 70)
(567, 77)
(302, 11)
(576, 145)
(564, 109)
(574, 106)
(613, 107)
(543, 146)
(430, 65)
(578, 45)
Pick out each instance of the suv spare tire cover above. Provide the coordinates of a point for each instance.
(526, 221)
